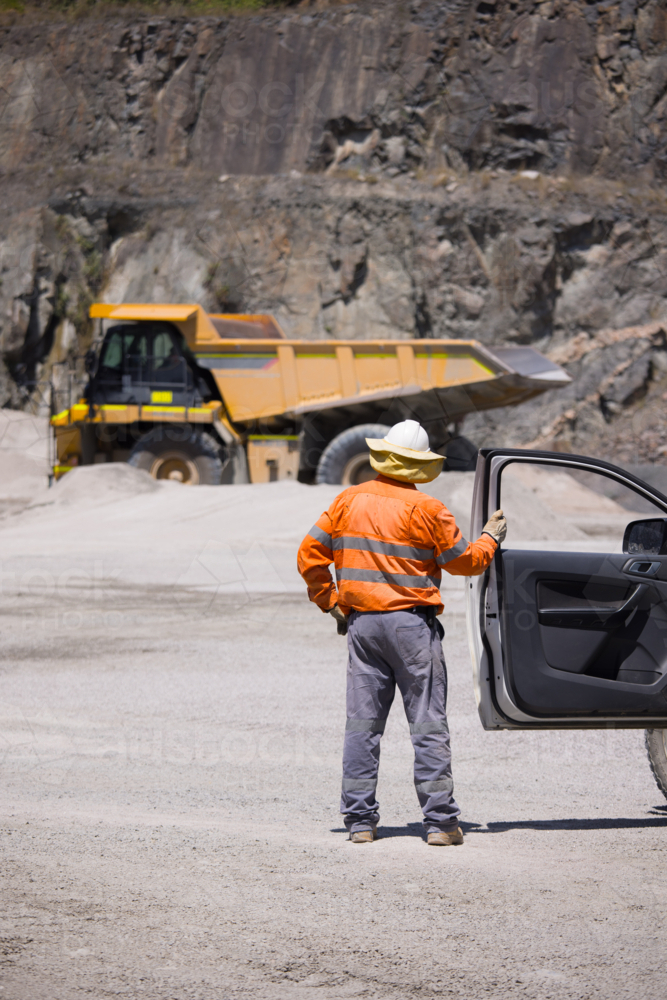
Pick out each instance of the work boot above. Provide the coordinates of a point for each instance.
(446, 838)
(364, 836)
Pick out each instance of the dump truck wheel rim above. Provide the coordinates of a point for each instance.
(358, 470)
(175, 467)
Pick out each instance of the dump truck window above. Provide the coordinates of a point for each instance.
(113, 352)
(136, 346)
(163, 347)
(123, 346)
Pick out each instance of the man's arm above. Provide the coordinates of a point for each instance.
(455, 554)
(315, 557)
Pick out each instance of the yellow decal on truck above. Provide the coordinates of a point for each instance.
(162, 396)
(60, 419)
(162, 412)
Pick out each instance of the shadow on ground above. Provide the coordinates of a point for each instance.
(618, 823)
(410, 830)
(658, 818)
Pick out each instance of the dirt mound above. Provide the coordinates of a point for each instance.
(96, 484)
(529, 516)
(454, 489)
(24, 458)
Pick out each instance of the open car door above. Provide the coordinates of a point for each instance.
(568, 627)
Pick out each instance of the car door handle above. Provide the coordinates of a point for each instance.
(644, 567)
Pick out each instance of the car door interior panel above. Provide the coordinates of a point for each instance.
(580, 636)
(570, 632)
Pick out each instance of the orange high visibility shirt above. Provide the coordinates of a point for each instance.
(388, 542)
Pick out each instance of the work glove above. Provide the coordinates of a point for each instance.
(496, 526)
(341, 619)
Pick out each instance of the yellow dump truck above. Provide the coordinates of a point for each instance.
(202, 398)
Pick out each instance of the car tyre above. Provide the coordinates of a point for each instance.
(345, 460)
(179, 454)
(656, 748)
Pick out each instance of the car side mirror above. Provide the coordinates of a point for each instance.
(90, 361)
(648, 537)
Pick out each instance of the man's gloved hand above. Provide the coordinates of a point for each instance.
(496, 526)
(341, 619)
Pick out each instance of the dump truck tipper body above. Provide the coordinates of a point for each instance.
(208, 398)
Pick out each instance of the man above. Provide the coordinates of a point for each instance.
(388, 542)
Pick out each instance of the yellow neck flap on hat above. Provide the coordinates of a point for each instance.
(406, 470)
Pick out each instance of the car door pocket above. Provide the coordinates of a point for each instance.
(576, 618)
(570, 649)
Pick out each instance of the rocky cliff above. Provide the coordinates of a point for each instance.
(489, 170)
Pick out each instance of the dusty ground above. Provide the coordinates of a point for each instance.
(170, 828)
(171, 737)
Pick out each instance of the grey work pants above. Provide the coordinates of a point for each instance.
(389, 648)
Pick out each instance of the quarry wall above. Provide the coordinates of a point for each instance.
(490, 170)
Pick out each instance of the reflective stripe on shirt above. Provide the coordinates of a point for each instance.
(320, 536)
(382, 548)
(453, 553)
(380, 576)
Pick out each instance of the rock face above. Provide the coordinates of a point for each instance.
(438, 169)
(546, 85)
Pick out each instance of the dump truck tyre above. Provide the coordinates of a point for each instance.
(345, 459)
(461, 455)
(179, 454)
(656, 748)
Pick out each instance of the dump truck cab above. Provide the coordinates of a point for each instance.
(144, 363)
(206, 399)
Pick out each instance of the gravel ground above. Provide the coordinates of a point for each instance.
(171, 733)
(170, 828)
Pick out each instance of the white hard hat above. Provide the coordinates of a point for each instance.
(408, 439)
